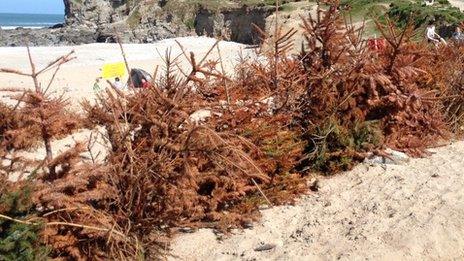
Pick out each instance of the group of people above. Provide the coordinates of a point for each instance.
(434, 38)
(119, 85)
(116, 84)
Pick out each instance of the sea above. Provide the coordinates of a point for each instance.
(33, 21)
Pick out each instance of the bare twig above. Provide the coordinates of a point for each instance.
(33, 70)
(221, 62)
(123, 53)
(260, 191)
(65, 224)
(12, 71)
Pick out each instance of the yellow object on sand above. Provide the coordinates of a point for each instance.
(113, 70)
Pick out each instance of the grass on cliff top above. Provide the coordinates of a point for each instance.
(360, 9)
(443, 13)
(224, 4)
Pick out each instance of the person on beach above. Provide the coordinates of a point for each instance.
(96, 85)
(428, 2)
(458, 36)
(432, 36)
(145, 84)
(118, 84)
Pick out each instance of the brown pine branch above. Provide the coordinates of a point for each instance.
(123, 53)
(109, 230)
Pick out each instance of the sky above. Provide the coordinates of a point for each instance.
(32, 6)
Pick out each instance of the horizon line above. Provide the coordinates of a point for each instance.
(1, 12)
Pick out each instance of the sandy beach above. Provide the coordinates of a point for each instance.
(76, 78)
(408, 211)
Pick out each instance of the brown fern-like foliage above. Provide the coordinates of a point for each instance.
(37, 116)
(446, 69)
(69, 196)
(415, 120)
(9, 121)
(259, 103)
(77, 208)
(349, 84)
(166, 166)
(277, 117)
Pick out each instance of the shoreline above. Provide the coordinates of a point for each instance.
(100, 53)
(16, 27)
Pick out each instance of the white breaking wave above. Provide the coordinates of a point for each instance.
(14, 27)
(26, 25)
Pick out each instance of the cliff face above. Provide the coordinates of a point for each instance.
(92, 12)
(144, 21)
(132, 20)
(234, 24)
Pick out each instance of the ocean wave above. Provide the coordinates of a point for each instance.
(28, 23)
(26, 27)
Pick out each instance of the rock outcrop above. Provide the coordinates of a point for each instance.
(234, 24)
(47, 36)
(133, 20)
(142, 21)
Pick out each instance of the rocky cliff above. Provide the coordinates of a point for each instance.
(132, 20)
(235, 24)
(142, 21)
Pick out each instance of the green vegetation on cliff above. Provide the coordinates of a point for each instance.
(403, 10)
(441, 12)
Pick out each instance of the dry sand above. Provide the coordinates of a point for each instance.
(392, 212)
(76, 78)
